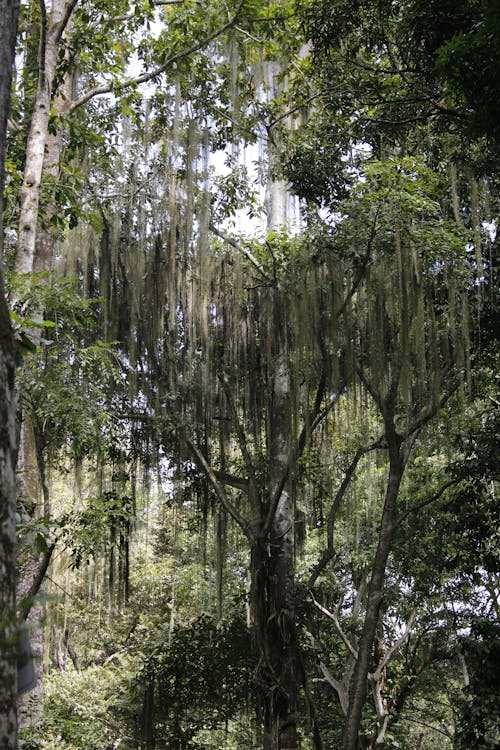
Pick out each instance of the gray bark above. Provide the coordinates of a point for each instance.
(29, 194)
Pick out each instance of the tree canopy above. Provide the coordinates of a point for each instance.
(251, 268)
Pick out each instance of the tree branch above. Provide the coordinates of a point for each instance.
(343, 488)
(329, 553)
(246, 253)
(397, 643)
(340, 686)
(145, 77)
(337, 685)
(62, 24)
(427, 501)
(239, 483)
(365, 260)
(333, 617)
(218, 489)
(28, 600)
(247, 458)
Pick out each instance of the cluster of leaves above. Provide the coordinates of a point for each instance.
(478, 722)
(91, 531)
(68, 389)
(84, 709)
(198, 679)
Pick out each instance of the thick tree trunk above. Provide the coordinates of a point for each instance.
(273, 586)
(8, 627)
(273, 620)
(31, 484)
(9, 10)
(281, 723)
(31, 455)
(29, 195)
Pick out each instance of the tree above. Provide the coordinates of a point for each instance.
(8, 629)
(380, 96)
(288, 386)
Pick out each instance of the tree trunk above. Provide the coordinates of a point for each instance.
(9, 10)
(273, 620)
(29, 194)
(273, 585)
(357, 693)
(8, 627)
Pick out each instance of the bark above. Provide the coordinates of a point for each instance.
(30, 704)
(273, 585)
(9, 10)
(31, 480)
(398, 457)
(8, 628)
(29, 194)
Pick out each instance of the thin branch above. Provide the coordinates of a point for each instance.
(427, 501)
(289, 112)
(252, 487)
(145, 77)
(248, 35)
(380, 708)
(383, 729)
(401, 121)
(329, 553)
(246, 253)
(371, 69)
(239, 483)
(397, 643)
(340, 686)
(429, 726)
(343, 488)
(61, 588)
(333, 617)
(370, 388)
(218, 489)
(269, 19)
(337, 685)
(492, 589)
(317, 415)
(364, 262)
(62, 24)
(129, 16)
(430, 409)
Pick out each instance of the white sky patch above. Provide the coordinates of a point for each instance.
(491, 228)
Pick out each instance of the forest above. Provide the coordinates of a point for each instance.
(249, 375)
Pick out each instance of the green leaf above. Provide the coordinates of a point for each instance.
(30, 323)
(24, 343)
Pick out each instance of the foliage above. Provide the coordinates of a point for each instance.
(479, 711)
(84, 709)
(198, 679)
(68, 390)
(171, 332)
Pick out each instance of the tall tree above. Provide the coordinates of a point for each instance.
(9, 10)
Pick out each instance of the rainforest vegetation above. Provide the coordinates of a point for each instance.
(249, 374)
